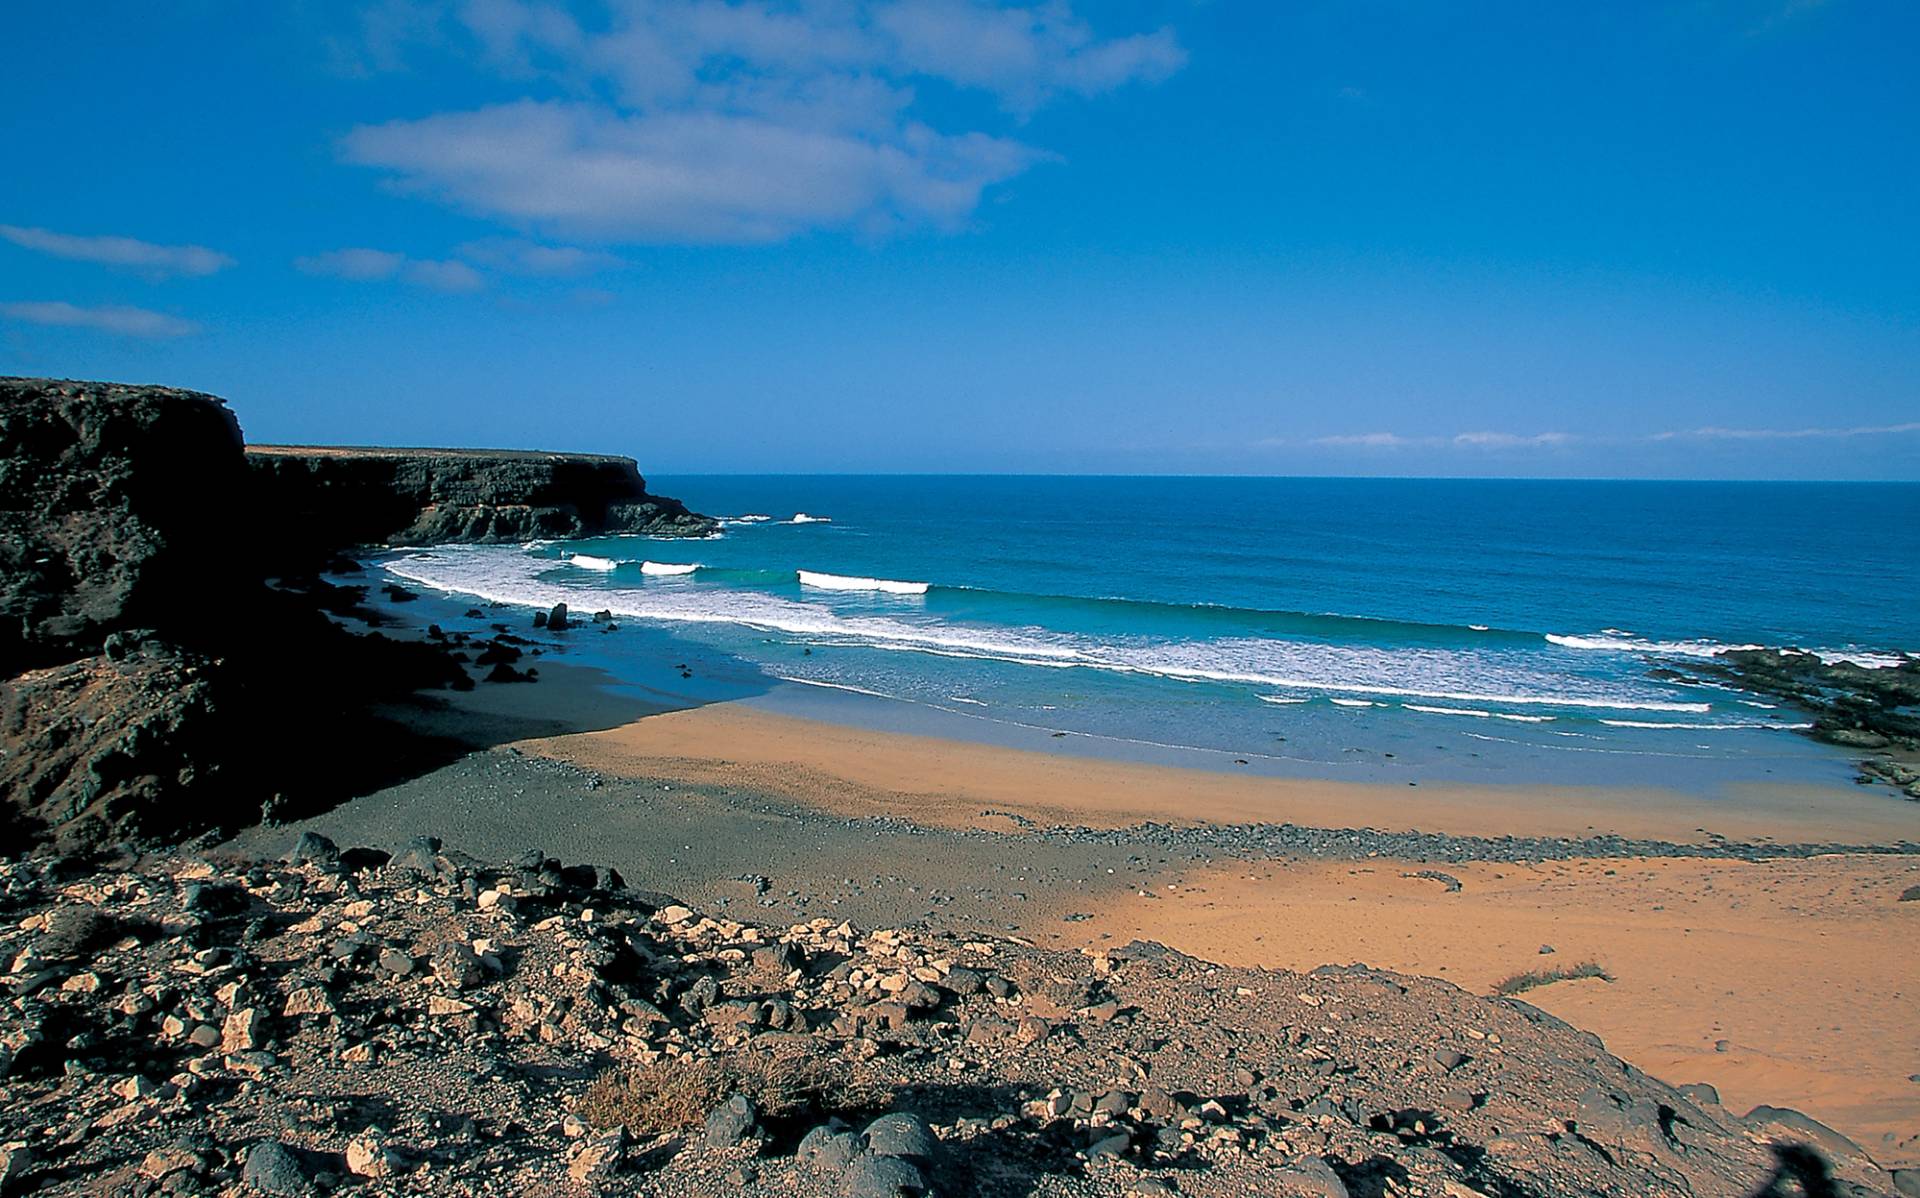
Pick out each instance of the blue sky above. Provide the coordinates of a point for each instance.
(1659, 239)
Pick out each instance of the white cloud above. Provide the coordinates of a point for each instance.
(742, 120)
(120, 251)
(516, 256)
(708, 177)
(110, 318)
(1712, 433)
(1471, 440)
(366, 265)
(1364, 441)
(1490, 440)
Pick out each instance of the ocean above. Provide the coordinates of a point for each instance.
(1380, 630)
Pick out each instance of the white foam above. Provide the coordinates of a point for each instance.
(1632, 644)
(964, 699)
(1281, 699)
(837, 686)
(1478, 627)
(1614, 641)
(1472, 711)
(803, 518)
(840, 582)
(749, 518)
(1353, 703)
(1478, 678)
(586, 561)
(1706, 727)
(668, 567)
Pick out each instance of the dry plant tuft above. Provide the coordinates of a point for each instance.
(675, 1093)
(1520, 983)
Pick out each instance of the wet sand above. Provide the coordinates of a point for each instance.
(948, 783)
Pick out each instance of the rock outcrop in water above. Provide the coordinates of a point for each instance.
(327, 498)
(1852, 705)
(142, 653)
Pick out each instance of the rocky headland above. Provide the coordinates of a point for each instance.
(164, 640)
(326, 498)
(360, 1022)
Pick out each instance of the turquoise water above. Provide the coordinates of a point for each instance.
(1365, 628)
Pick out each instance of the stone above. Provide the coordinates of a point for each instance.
(964, 982)
(883, 1177)
(828, 1148)
(731, 1123)
(162, 1162)
(273, 1168)
(557, 619)
(370, 1155)
(901, 1134)
(456, 965)
(313, 849)
(1906, 1182)
(308, 1000)
(243, 1030)
(396, 962)
(420, 856)
(1111, 1145)
(15, 1160)
(1699, 1092)
(1312, 1176)
(599, 1158)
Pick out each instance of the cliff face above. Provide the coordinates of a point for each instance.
(142, 653)
(341, 497)
(117, 509)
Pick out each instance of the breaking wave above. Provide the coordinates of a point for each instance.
(841, 582)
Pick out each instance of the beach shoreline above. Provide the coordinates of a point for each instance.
(1742, 953)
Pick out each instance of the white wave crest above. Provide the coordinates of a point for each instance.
(1613, 642)
(668, 567)
(1282, 669)
(1632, 644)
(1284, 700)
(586, 561)
(803, 518)
(1472, 711)
(841, 582)
(1721, 727)
(1352, 702)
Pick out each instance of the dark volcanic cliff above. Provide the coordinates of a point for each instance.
(336, 497)
(142, 652)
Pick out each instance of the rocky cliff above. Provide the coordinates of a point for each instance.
(142, 653)
(334, 497)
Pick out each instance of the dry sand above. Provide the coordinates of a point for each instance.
(1788, 982)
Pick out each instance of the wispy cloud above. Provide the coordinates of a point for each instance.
(1715, 433)
(740, 122)
(1483, 440)
(1493, 440)
(120, 251)
(516, 256)
(111, 318)
(365, 265)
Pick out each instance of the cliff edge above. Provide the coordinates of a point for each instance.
(336, 497)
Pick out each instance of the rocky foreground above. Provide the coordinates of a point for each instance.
(424, 1023)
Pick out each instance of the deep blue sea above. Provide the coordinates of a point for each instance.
(1376, 629)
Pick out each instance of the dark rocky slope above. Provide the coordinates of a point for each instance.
(351, 1023)
(327, 498)
(142, 653)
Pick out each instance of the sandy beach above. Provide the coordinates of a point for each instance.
(1780, 981)
(951, 783)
